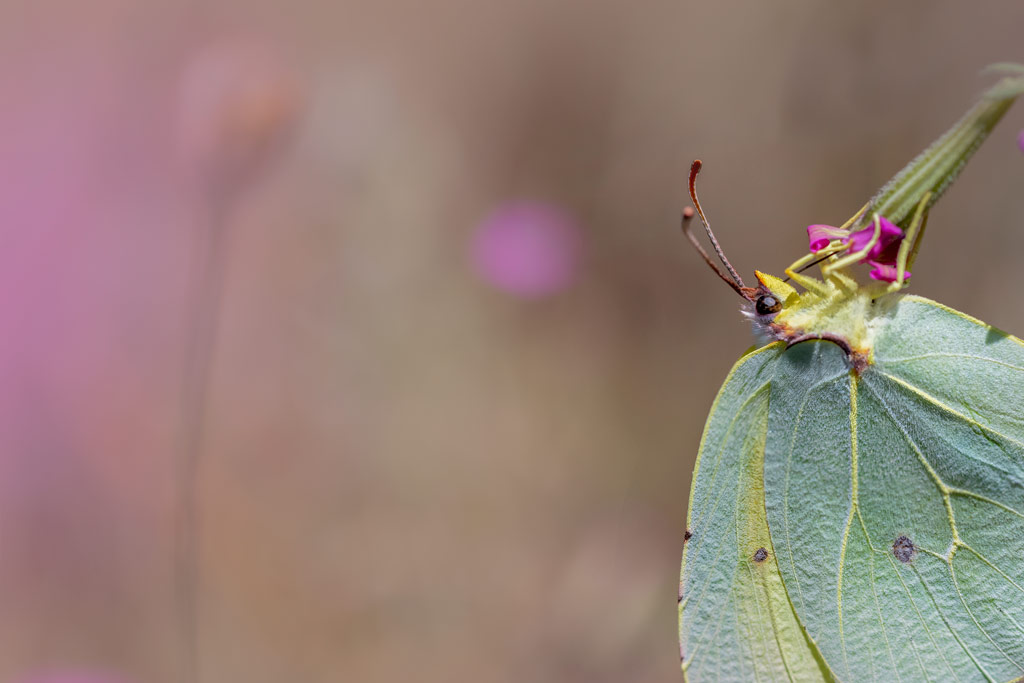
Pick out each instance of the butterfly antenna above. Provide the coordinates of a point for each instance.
(694, 170)
(686, 225)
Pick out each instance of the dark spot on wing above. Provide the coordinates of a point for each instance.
(761, 555)
(904, 550)
(686, 536)
(680, 598)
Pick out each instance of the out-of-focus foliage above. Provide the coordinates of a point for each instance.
(412, 469)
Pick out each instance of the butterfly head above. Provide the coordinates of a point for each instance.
(762, 303)
(837, 309)
(765, 302)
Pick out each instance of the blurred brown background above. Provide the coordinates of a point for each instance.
(413, 472)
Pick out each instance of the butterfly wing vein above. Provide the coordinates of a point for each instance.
(896, 506)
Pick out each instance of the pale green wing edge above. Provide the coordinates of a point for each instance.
(735, 618)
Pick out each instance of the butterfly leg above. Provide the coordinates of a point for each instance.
(850, 259)
(912, 242)
(858, 359)
(822, 336)
(807, 282)
(848, 225)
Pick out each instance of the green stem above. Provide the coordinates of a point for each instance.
(937, 167)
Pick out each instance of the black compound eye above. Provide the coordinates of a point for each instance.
(767, 304)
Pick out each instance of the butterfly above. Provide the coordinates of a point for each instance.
(857, 505)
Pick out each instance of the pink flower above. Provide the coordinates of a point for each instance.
(887, 246)
(238, 102)
(885, 272)
(882, 254)
(820, 236)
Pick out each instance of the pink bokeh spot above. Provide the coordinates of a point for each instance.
(528, 249)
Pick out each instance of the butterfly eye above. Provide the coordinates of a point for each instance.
(767, 304)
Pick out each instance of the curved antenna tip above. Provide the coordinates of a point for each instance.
(737, 281)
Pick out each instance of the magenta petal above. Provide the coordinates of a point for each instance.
(820, 236)
(882, 249)
(891, 239)
(885, 272)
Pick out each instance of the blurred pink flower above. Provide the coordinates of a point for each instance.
(528, 249)
(238, 102)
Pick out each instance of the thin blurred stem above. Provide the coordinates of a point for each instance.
(202, 313)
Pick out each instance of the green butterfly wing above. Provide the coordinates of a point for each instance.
(735, 620)
(896, 500)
